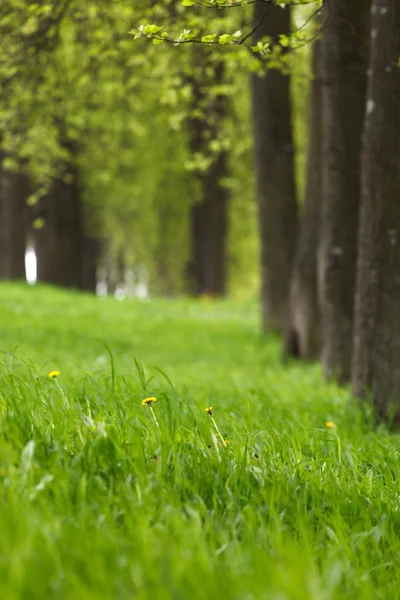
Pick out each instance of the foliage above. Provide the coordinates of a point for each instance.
(72, 77)
(98, 502)
(268, 52)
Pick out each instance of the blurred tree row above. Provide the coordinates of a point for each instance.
(121, 157)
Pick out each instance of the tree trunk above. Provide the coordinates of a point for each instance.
(59, 245)
(14, 191)
(209, 232)
(209, 214)
(114, 266)
(345, 57)
(91, 257)
(274, 167)
(377, 311)
(302, 335)
(105, 272)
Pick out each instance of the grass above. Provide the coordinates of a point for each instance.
(97, 502)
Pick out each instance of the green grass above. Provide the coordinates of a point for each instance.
(97, 502)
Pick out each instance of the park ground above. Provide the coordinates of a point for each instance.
(104, 498)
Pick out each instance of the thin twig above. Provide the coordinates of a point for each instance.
(260, 22)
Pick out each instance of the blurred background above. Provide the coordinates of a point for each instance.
(128, 166)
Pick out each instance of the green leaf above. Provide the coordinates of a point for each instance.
(225, 38)
(284, 40)
(136, 33)
(209, 38)
(151, 29)
(188, 2)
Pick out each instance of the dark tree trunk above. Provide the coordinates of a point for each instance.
(111, 278)
(105, 267)
(114, 266)
(345, 57)
(207, 269)
(59, 245)
(376, 356)
(209, 232)
(302, 335)
(274, 167)
(14, 191)
(91, 257)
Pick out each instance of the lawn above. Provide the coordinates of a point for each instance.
(103, 498)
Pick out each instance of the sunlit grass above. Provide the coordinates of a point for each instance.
(105, 495)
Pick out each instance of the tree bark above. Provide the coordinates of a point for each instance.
(14, 191)
(91, 258)
(302, 335)
(274, 168)
(376, 356)
(209, 232)
(207, 269)
(59, 244)
(345, 57)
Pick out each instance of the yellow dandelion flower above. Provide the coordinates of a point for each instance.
(148, 401)
(329, 424)
(221, 439)
(53, 374)
(209, 410)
